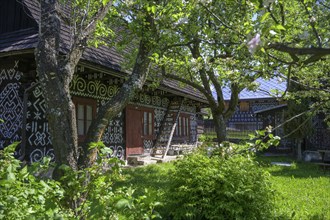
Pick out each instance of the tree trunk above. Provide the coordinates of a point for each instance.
(55, 87)
(220, 126)
(299, 151)
(117, 103)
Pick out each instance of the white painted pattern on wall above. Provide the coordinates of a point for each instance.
(11, 106)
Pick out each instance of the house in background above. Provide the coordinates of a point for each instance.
(250, 102)
(261, 108)
(97, 79)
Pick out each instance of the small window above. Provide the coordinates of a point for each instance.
(182, 129)
(85, 113)
(147, 123)
(244, 106)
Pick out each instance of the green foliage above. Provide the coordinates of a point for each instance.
(298, 25)
(26, 193)
(300, 191)
(206, 139)
(24, 196)
(217, 187)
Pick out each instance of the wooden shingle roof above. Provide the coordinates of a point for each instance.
(25, 40)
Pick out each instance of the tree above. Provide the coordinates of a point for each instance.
(55, 73)
(295, 43)
(299, 127)
(208, 49)
(88, 21)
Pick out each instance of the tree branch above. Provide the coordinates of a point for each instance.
(101, 13)
(177, 45)
(217, 88)
(233, 100)
(282, 14)
(271, 15)
(312, 23)
(282, 61)
(299, 51)
(218, 19)
(80, 41)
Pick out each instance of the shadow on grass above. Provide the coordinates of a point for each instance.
(296, 170)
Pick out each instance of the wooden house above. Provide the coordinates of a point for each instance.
(98, 77)
(261, 108)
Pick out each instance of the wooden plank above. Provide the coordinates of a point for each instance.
(134, 143)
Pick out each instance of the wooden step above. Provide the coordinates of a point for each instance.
(157, 151)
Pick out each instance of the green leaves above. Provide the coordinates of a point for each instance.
(279, 27)
(219, 188)
(22, 195)
(104, 2)
(264, 16)
(152, 9)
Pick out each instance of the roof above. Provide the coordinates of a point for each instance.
(268, 88)
(18, 40)
(108, 57)
(274, 108)
(183, 90)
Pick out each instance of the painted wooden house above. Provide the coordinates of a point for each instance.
(251, 102)
(261, 108)
(98, 77)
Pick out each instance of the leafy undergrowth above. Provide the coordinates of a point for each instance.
(302, 191)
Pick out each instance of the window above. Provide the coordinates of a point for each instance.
(244, 106)
(85, 113)
(147, 123)
(182, 128)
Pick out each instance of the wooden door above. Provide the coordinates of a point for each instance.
(134, 143)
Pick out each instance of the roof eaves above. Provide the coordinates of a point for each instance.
(278, 107)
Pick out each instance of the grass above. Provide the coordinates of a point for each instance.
(302, 191)
(233, 134)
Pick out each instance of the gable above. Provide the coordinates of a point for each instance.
(13, 16)
(23, 38)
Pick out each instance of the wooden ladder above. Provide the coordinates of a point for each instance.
(167, 128)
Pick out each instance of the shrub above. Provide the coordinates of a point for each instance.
(24, 196)
(218, 187)
(82, 194)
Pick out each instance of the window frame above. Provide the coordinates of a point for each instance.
(182, 129)
(84, 102)
(148, 129)
(244, 106)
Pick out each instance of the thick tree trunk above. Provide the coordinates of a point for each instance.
(220, 126)
(55, 87)
(117, 103)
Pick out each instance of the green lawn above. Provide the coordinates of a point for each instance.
(302, 191)
(233, 134)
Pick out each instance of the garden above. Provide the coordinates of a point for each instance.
(235, 184)
(298, 191)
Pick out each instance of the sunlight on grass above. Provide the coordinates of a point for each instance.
(302, 191)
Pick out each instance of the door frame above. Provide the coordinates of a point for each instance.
(134, 136)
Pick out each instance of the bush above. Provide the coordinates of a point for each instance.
(218, 187)
(24, 196)
(25, 193)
